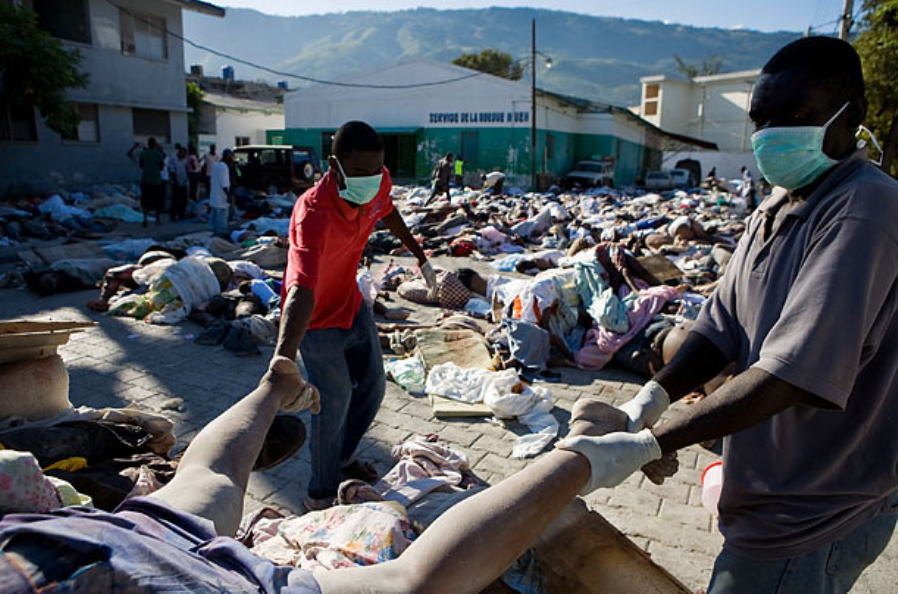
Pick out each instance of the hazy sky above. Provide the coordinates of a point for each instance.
(764, 15)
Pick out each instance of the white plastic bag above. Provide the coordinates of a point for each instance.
(408, 373)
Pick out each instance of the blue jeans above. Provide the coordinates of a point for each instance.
(218, 219)
(832, 569)
(347, 368)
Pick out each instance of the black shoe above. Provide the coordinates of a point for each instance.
(360, 470)
(284, 438)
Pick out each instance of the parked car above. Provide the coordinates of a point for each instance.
(669, 179)
(658, 180)
(591, 174)
(285, 167)
(682, 178)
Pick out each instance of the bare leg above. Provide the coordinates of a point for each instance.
(212, 476)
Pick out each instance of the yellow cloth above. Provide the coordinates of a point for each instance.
(69, 464)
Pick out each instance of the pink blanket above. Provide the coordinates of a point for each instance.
(601, 344)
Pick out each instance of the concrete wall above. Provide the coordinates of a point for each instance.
(117, 83)
(506, 149)
(676, 106)
(725, 119)
(497, 110)
(253, 124)
(728, 163)
(713, 110)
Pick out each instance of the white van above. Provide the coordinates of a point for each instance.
(658, 180)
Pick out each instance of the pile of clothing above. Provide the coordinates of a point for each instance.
(83, 456)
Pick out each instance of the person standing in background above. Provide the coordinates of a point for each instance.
(193, 171)
(459, 172)
(177, 169)
(209, 161)
(441, 175)
(219, 196)
(152, 193)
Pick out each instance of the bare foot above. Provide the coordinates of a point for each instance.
(295, 393)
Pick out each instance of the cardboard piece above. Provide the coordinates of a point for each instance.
(24, 340)
(447, 408)
(465, 348)
(581, 552)
(661, 268)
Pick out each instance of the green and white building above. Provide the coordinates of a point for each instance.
(483, 118)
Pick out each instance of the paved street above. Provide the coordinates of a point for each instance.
(160, 368)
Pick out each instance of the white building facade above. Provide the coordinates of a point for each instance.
(136, 90)
(483, 118)
(228, 121)
(712, 108)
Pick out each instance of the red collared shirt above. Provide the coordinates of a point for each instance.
(327, 238)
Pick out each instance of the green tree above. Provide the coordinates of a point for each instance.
(877, 44)
(194, 100)
(706, 68)
(492, 62)
(35, 69)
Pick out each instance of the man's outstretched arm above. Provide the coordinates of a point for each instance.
(295, 315)
(749, 398)
(397, 227)
(473, 543)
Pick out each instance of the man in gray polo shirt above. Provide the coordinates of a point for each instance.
(808, 311)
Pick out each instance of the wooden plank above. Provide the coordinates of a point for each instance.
(582, 553)
(30, 326)
(661, 268)
(26, 353)
(447, 408)
(13, 341)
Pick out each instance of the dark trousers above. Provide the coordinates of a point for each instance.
(438, 189)
(152, 198)
(178, 202)
(194, 182)
(347, 368)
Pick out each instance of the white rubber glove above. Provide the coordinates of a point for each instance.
(646, 407)
(613, 457)
(430, 277)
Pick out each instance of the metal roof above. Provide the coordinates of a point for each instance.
(200, 6)
(240, 104)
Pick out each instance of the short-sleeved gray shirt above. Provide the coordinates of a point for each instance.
(812, 300)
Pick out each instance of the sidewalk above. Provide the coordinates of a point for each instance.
(160, 368)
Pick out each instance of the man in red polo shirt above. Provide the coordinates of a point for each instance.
(322, 312)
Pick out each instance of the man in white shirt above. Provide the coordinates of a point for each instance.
(219, 199)
(493, 182)
(209, 161)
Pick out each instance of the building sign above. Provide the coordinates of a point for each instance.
(480, 117)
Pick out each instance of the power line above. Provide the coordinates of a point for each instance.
(288, 74)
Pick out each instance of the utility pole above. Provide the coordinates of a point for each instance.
(533, 104)
(846, 20)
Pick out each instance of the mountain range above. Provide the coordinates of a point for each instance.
(597, 58)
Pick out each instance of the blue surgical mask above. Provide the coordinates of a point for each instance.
(792, 156)
(359, 190)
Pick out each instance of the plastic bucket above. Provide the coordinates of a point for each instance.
(712, 482)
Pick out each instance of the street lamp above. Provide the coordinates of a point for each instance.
(533, 53)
